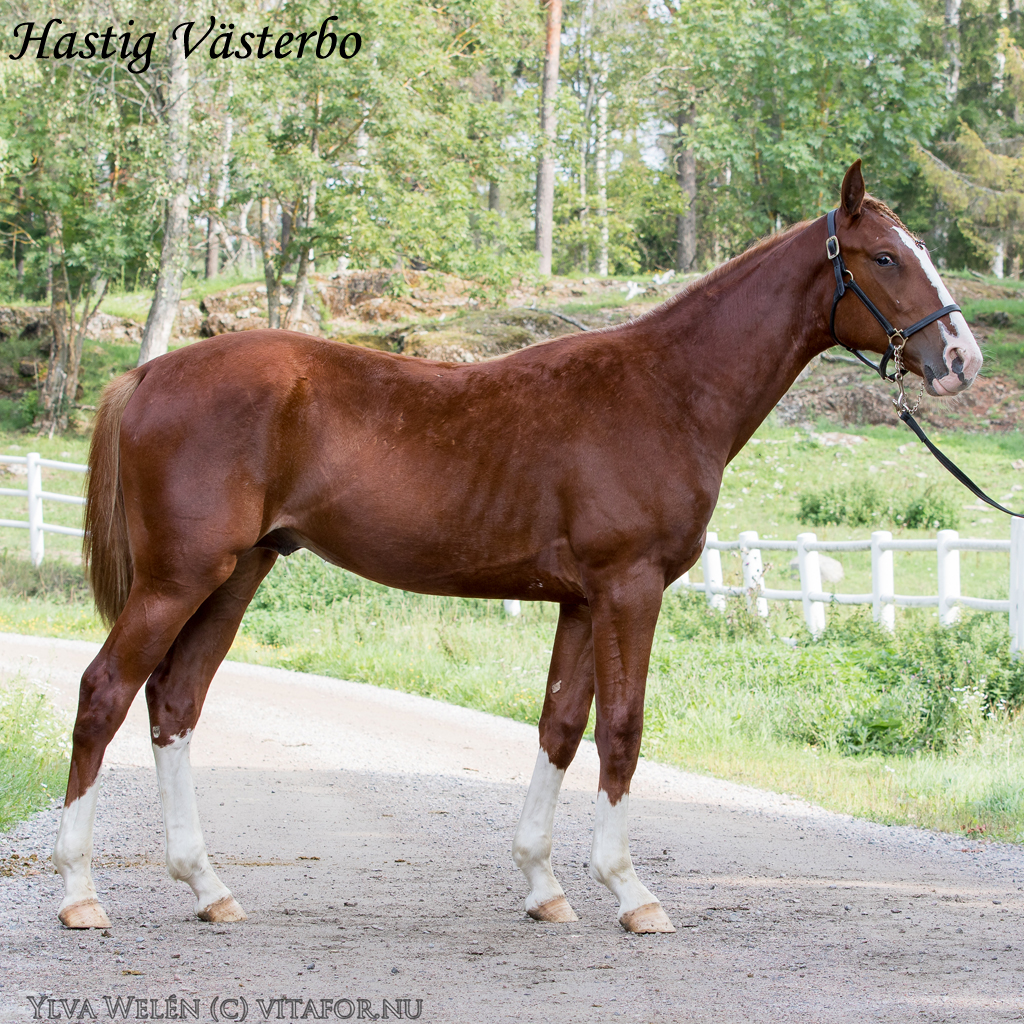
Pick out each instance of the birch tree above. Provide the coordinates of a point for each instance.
(156, 335)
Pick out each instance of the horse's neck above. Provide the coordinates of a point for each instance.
(742, 338)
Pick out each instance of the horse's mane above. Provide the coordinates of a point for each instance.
(754, 250)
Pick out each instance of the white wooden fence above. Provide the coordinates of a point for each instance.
(37, 527)
(883, 598)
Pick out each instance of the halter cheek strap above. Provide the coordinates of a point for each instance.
(844, 283)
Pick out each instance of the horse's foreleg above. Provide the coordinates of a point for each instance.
(175, 693)
(624, 615)
(567, 701)
(142, 634)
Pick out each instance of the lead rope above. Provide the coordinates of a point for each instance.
(895, 352)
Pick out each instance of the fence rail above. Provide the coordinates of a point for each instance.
(883, 598)
(34, 494)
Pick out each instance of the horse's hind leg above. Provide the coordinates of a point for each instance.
(142, 634)
(567, 701)
(175, 693)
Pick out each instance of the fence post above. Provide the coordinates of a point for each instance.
(883, 581)
(1016, 587)
(35, 508)
(511, 607)
(753, 571)
(711, 563)
(949, 577)
(810, 580)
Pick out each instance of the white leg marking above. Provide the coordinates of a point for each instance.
(531, 848)
(186, 851)
(610, 862)
(72, 853)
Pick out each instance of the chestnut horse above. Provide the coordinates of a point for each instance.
(582, 471)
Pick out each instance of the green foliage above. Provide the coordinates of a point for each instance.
(864, 504)
(34, 753)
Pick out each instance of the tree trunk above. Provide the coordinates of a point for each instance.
(999, 257)
(214, 224)
(52, 397)
(212, 247)
(247, 250)
(952, 49)
(97, 289)
(19, 248)
(545, 200)
(584, 153)
(601, 173)
(267, 243)
(306, 255)
(686, 176)
(174, 254)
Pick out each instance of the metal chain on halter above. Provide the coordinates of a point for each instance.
(900, 401)
(845, 283)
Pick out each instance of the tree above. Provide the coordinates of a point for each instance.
(174, 251)
(548, 130)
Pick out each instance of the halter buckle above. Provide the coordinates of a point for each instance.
(832, 247)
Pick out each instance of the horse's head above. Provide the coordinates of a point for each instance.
(895, 272)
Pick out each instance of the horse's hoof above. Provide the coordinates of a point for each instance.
(84, 914)
(557, 911)
(225, 910)
(646, 919)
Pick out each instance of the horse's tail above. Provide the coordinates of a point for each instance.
(105, 551)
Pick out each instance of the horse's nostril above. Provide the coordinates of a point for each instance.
(958, 365)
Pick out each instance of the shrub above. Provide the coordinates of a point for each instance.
(862, 503)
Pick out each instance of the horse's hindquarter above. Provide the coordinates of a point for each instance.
(490, 479)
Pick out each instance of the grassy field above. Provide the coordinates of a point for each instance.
(921, 727)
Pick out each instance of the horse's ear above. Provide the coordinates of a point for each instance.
(853, 190)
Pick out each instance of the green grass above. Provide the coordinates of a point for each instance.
(34, 753)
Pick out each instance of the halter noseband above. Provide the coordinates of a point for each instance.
(844, 282)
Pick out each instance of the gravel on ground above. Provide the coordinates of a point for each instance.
(367, 834)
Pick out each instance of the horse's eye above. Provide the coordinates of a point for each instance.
(885, 261)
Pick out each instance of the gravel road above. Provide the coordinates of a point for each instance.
(367, 834)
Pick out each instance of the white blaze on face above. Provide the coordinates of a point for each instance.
(957, 340)
(531, 848)
(186, 850)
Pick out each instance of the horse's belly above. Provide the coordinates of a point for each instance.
(483, 563)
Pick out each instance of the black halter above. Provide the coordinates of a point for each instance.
(845, 282)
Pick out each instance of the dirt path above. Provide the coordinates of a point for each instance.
(367, 834)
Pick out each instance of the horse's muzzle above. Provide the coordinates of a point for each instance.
(955, 374)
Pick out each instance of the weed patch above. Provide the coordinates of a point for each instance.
(864, 504)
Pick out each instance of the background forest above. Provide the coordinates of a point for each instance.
(675, 134)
